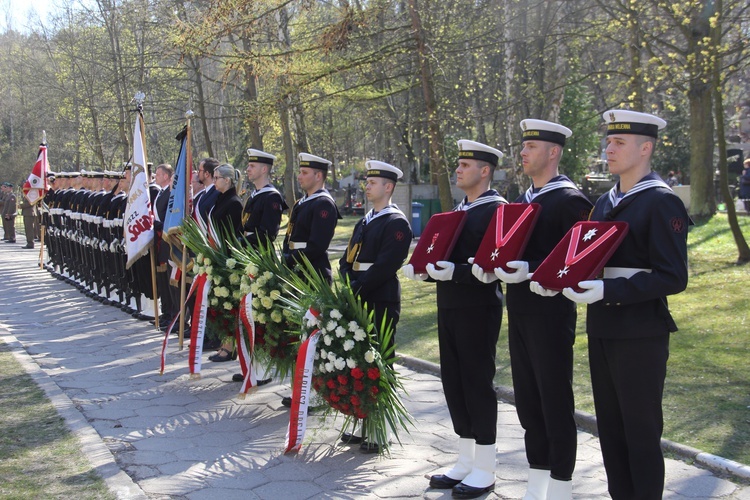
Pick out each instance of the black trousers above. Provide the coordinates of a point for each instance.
(391, 311)
(468, 339)
(541, 358)
(169, 295)
(627, 376)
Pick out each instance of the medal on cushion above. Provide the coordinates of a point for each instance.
(432, 245)
(572, 257)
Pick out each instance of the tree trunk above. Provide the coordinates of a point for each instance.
(742, 248)
(109, 13)
(195, 65)
(438, 170)
(250, 91)
(286, 138)
(702, 195)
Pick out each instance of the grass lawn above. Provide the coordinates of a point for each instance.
(39, 457)
(707, 396)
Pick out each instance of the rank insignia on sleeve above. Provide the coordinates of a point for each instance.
(678, 224)
(399, 235)
(324, 214)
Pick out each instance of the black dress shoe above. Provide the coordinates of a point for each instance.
(368, 447)
(10, 241)
(237, 377)
(286, 401)
(462, 490)
(222, 356)
(443, 482)
(349, 438)
(28, 246)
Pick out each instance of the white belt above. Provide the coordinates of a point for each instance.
(297, 245)
(622, 272)
(361, 266)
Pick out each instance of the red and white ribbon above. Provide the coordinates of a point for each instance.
(200, 313)
(501, 237)
(246, 343)
(165, 342)
(302, 390)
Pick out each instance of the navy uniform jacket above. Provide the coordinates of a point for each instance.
(656, 240)
(384, 243)
(561, 208)
(261, 216)
(464, 290)
(312, 222)
(226, 213)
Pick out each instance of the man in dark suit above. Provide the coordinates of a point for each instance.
(169, 294)
(206, 199)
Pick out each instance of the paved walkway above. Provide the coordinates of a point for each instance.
(177, 438)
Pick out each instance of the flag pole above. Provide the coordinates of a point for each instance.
(41, 226)
(188, 177)
(139, 98)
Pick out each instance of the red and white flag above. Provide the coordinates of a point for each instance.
(36, 186)
(139, 220)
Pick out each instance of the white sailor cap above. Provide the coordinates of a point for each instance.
(377, 168)
(109, 174)
(312, 161)
(258, 156)
(471, 150)
(541, 130)
(623, 121)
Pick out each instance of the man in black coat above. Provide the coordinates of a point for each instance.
(376, 251)
(312, 222)
(169, 294)
(628, 320)
(313, 219)
(469, 317)
(541, 331)
(261, 216)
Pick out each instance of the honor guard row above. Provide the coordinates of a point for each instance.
(84, 237)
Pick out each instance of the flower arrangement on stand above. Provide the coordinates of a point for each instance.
(353, 363)
(266, 279)
(213, 259)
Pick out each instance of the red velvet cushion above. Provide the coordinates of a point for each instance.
(583, 258)
(507, 235)
(437, 240)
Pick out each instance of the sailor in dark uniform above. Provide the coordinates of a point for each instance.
(628, 320)
(377, 249)
(541, 331)
(312, 222)
(469, 317)
(261, 216)
(313, 219)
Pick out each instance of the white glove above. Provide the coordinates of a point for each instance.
(538, 289)
(482, 276)
(518, 276)
(443, 274)
(593, 292)
(408, 271)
